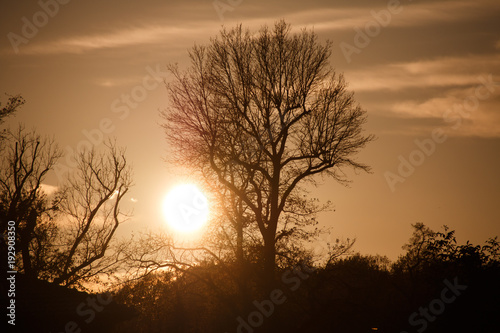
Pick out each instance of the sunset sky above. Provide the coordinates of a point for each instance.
(425, 71)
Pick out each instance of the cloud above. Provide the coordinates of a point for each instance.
(460, 111)
(129, 37)
(327, 18)
(118, 82)
(406, 15)
(48, 189)
(424, 74)
(429, 89)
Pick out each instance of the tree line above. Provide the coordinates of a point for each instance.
(436, 285)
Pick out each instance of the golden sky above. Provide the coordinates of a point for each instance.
(425, 71)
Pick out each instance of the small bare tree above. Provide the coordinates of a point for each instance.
(90, 205)
(262, 114)
(26, 160)
(67, 238)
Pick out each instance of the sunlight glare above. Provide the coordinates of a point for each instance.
(186, 208)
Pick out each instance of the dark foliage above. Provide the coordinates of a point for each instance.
(355, 293)
(47, 307)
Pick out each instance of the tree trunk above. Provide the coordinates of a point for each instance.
(269, 258)
(26, 237)
(239, 244)
(241, 264)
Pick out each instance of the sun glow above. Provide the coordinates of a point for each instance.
(185, 208)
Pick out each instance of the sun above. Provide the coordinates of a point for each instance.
(185, 208)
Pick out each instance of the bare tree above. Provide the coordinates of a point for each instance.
(26, 160)
(262, 114)
(66, 238)
(91, 206)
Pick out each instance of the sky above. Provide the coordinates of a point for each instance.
(426, 72)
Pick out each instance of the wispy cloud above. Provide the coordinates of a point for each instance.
(325, 19)
(439, 72)
(134, 36)
(409, 14)
(117, 82)
(482, 121)
(446, 84)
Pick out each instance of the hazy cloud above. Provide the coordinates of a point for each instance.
(48, 189)
(129, 37)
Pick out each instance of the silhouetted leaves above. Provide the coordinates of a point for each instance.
(352, 293)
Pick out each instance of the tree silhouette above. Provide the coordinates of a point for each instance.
(260, 115)
(66, 238)
(26, 160)
(14, 103)
(349, 293)
(91, 204)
